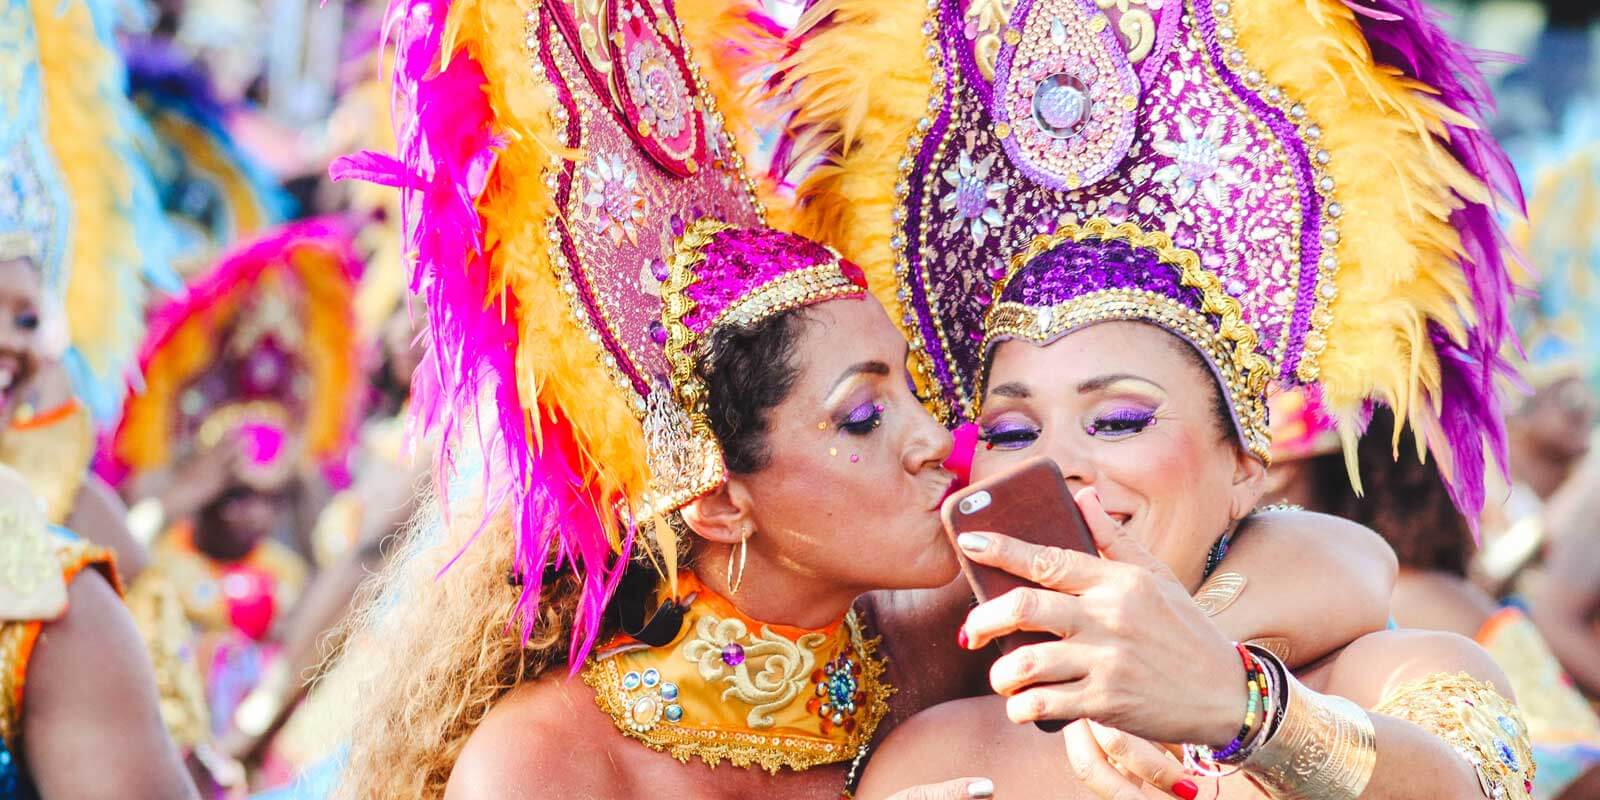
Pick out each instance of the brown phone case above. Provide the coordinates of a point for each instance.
(1030, 502)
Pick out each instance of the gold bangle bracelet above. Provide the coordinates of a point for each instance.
(1324, 747)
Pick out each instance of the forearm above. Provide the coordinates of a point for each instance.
(1416, 765)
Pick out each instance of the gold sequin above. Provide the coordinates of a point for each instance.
(1483, 727)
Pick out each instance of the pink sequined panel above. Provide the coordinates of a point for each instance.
(623, 212)
(741, 261)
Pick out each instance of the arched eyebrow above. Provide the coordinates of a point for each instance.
(861, 368)
(1099, 382)
(1014, 390)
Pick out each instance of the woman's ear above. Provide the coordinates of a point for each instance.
(722, 516)
(1249, 482)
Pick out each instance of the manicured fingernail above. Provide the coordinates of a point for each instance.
(972, 542)
(1186, 789)
(980, 789)
(961, 638)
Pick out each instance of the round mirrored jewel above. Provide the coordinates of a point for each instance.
(1060, 105)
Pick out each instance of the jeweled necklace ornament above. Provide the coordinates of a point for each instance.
(728, 687)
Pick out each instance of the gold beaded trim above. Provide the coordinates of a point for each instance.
(1483, 727)
(742, 748)
(1310, 133)
(922, 369)
(803, 287)
(1231, 345)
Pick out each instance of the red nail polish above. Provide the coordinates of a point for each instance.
(961, 638)
(1186, 789)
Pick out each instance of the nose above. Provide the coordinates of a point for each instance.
(929, 445)
(1072, 457)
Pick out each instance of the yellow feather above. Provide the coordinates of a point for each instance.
(1398, 267)
(79, 73)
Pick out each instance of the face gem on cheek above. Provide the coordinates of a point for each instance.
(833, 451)
(855, 458)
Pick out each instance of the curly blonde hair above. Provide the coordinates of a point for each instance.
(436, 648)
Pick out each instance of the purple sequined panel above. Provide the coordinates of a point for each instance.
(740, 261)
(1074, 269)
(1212, 164)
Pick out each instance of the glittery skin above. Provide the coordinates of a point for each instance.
(1220, 161)
(740, 262)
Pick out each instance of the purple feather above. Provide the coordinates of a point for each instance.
(1405, 34)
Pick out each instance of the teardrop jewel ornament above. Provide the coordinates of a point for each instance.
(1067, 95)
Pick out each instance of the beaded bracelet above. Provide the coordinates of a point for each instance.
(1259, 692)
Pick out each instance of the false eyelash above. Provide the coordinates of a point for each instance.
(863, 420)
(1122, 421)
(1010, 436)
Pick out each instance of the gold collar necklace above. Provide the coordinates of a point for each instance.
(730, 687)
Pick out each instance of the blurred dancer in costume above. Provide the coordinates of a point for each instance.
(215, 193)
(1405, 501)
(76, 687)
(1225, 173)
(658, 476)
(251, 390)
(1539, 541)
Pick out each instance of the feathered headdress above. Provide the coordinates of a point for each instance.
(578, 223)
(75, 198)
(261, 346)
(1307, 182)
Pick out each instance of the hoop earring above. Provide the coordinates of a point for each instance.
(734, 582)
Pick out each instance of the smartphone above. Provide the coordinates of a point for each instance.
(1030, 502)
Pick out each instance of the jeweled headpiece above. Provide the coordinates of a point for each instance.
(1314, 171)
(580, 224)
(75, 200)
(261, 347)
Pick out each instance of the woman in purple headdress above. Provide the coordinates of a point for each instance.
(1112, 227)
(1102, 359)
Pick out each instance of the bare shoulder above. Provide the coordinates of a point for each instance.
(968, 738)
(543, 739)
(1375, 664)
(1441, 602)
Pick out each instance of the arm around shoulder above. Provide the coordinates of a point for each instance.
(1297, 566)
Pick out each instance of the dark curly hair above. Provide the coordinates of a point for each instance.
(1405, 500)
(748, 371)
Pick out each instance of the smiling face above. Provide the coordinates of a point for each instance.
(21, 298)
(1129, 409)
(851, 479)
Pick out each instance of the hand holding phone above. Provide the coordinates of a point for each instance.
(1030, 502)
